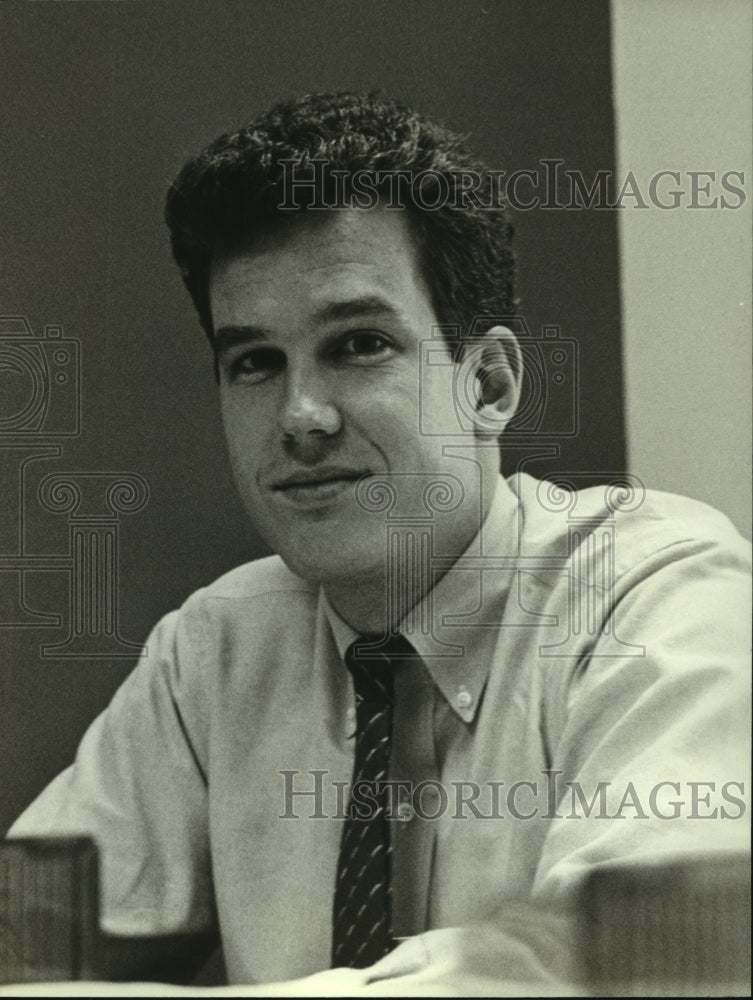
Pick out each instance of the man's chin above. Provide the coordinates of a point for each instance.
(349, 564)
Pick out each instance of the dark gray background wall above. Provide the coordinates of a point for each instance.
(101, 104)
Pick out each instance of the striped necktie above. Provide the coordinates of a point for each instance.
(361, 917)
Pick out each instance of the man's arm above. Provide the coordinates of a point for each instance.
(137, 788)
(654, 750)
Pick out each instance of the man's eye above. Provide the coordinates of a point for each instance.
(258, 363)
(365, 343)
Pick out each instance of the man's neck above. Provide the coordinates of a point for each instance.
(370, 606)
(376, 603)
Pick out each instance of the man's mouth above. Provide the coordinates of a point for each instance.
(305, 486)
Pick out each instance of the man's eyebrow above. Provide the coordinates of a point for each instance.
(363, 305)
(229, 336)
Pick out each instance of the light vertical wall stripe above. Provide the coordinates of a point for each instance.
(682, 86)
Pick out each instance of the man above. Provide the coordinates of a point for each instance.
(560, 676)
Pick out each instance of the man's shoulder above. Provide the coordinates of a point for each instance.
(255, 596)
(642, 521)
(253, 606)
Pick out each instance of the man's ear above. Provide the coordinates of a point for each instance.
(499, 375)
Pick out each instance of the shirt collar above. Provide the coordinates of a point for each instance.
(462, 613)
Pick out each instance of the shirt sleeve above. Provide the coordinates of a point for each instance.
(138, 788)
(653, 756)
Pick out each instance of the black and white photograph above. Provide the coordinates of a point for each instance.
(375, 492)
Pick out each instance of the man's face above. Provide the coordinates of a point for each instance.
(318, 333)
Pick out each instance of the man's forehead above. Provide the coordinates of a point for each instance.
(345, 262)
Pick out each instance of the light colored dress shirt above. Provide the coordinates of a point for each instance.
(582, 695)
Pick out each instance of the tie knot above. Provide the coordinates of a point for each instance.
(372, 666)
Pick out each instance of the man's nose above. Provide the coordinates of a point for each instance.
(308, 410)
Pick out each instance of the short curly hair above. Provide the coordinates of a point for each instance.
(237, 185)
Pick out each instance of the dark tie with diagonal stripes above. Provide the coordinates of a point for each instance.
(361, 917)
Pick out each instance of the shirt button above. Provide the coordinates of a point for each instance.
(464, 699)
